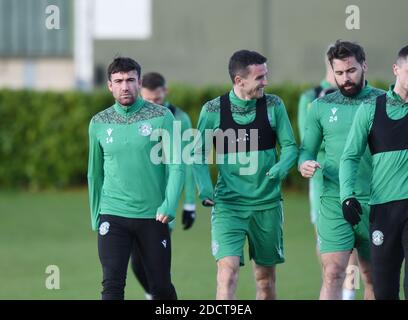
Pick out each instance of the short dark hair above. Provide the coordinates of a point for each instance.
(402, 54)
(240, 60)
(123, 64)
(344, 49)
(153, 80)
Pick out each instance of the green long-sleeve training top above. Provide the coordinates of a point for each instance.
(329, 121)
(390, 169)
(125, 175)
(255, 190)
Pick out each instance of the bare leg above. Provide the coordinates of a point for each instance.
(265, 278)
(334, 271)
(349, 285)
(366, 275)
(227, 277)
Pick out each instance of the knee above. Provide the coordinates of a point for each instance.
(113, 289)
(163, 292)
(333, 274)
(265, 285)
(227, 274)
(264, 281)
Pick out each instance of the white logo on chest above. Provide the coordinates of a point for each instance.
(145, 129)
(333, 117)
(109, 138)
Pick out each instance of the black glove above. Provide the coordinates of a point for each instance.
(188, 218)
(207, 203)
(352, 211)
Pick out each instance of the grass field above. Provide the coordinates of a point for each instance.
(53, 228)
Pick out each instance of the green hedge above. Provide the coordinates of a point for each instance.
(44, 135)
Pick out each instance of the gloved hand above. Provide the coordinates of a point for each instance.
(352, 211)
(207, 203)
(188, 219)
(189, 216)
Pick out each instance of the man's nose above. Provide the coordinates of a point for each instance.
(347, 77)
(124, 86)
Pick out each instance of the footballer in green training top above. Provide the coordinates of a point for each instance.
(382, 123)
(132, 195)
(246, 125)
(329, 120)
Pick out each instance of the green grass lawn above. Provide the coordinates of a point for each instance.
(53, 228)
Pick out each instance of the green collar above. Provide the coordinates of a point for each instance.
(239, 102)
(367, 88)
(395, 96)
(125, 110)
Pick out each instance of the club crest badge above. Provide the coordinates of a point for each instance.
(378, 238)
(145, 129)
(104, 228)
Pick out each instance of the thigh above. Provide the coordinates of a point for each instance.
(362, 234)
(385, 233)
(136, 260)
(335, 262)
(387, 252)
(154, 246)
(228, 232)
(114, 245)
(335, 234)
(265, 235)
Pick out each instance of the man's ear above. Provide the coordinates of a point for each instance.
(395, 69)
(109, 83)
(365, 66)
(238, 80)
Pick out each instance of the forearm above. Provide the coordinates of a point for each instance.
(347, 176)
(203, 180)
(288, 158)
(288, 148)
(173, 190)
(175, 168)
(200, 155)
(95, 192)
